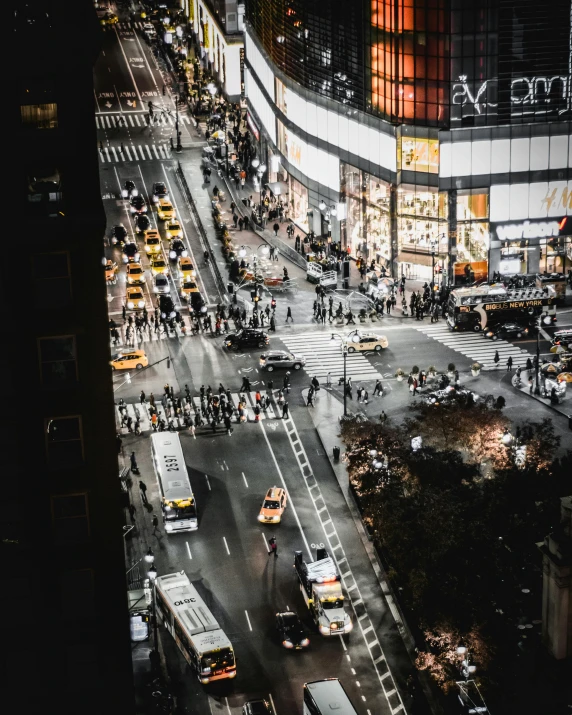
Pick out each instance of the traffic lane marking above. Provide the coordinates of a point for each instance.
(331, 537)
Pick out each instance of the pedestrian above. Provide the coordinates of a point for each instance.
(359, 393)
(272, 546)
(155, 523)
(245, 387)
(142, 397)
(329, 380)
(378, 389)
(529, 365)
(276, 228)
(228, 425)
(310, 402)
(235, 219)
(151, 400)
(133, 459)
(192, 429)
(383, 417)
(289, 314)
(285, 413)
(240, 223)
(509, 364)
(132, 513)
(497, 358)
(143, 490)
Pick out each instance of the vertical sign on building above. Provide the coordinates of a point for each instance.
(242, 71)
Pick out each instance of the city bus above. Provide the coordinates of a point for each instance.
(177, 500)
(196, 631)
(322, 697)
(485, 306)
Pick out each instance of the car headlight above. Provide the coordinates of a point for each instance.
(169, 527)
(167, 288)
(169, 235)
(130, 305)
(348, 627)
(172, 255)
(324, 630)
(141, 304)
(260, 517)
(154, 271)
(172, 314)
(132, 209)
(287, 644)
(305, 642)
(134, 192)
(148, 249)
(124, 193)
(155, 289)
(185, 253)
(275, 518)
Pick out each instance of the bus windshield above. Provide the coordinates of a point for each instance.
(215, 660)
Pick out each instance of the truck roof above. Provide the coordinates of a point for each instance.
(322, 571)
(328, 591)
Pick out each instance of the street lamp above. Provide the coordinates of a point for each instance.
(432, 244)
(345, 355)
(152, 576)
(260, 171)
(179, 148)
(262, 249)
(545, 318)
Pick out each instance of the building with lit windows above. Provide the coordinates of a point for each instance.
(419, 132)
(65, 629)
(218, 26)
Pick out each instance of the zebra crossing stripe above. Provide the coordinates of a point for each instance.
(148, 151)
(128, 153)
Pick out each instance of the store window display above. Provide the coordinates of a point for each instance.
(418, 154)
(472, 236)
(422, 219)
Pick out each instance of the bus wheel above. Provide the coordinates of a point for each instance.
(477, 328)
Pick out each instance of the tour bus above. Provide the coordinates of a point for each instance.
(177, 500)
(489, 305)
(201, 640)
(323, 696)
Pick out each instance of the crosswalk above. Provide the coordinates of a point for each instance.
(140, 412)
(324, 356)
(134, 152)
(136, 120)
(476, 347)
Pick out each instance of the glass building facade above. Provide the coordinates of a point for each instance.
(438, 129)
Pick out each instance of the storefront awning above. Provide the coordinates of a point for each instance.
(278, 188)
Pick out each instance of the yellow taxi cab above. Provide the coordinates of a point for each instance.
(135, 274)
(111, 270)
(159, 265)
(186, 267)
(273, 506)
(174, 229)
(134, 298)
(362, 341)
(152, 240)
(188, 286)
(129, 360)
(165, 210)
(110, 18)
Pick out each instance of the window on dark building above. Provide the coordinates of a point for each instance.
(64, 442)
(39, 116)
(58, 360)
(70, 518)
(52, 280)
(45, 196)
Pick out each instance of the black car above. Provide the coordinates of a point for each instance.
(159, 191)
(257, 707)
(176, 249)
(248, 337)
(130, 252)
(129, 190)
(138, 204)
(508, 331)
(196, 303)
(166, 307)
(142, 223)
(291, 630)
(118, 234)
